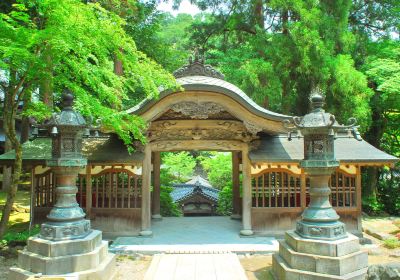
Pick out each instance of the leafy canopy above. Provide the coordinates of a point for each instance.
(76, 44)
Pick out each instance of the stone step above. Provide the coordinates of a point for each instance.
(104, 271)
(65, 264)
(323, 264)
(282, 271)
(335, 248)
(49, 248)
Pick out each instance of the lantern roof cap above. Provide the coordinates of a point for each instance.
(68, 116)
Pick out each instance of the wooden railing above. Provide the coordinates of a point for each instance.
(116, 188)
(111, 188)
(276, 188)
(282, 188)
(44, 186)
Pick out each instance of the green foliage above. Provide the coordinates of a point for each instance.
(218, 167)
(391, 243)
(167, 207)
(372, 206)
(277, 52)
(179, 166)
(20, 236)
(389, 188)
(77, 49)
(225, 198)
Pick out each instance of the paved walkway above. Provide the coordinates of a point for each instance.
(195, 267)
(195, 235)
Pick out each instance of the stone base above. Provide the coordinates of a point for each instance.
(56, 231)
(236, 217)
(309, 259)
(85, 258)
(156, 217)
(246, 232)
(146, 233)
(327, 231)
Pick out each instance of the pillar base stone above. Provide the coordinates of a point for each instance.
(156, 217)
(246, 232)
(236, 217)
(146, 233)
(309, 259)
(85, 258)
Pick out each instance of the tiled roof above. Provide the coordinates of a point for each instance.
(347, 149)
(193, 187)
(96, 150)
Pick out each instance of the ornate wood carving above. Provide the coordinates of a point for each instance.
(172, 115)
(197, 110)
(199, 130)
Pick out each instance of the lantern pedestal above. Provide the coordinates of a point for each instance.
(82, 258)
(308, 259)
(66, 246)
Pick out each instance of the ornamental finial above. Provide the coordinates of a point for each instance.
(317, 98)
(197, 67)
(67, 99)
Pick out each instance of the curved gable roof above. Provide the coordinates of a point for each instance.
(210, 84)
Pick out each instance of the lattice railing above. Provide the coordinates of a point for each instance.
(276, 188)
(45, 195)
(116, 188)
(280, 188)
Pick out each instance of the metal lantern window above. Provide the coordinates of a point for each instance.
(67, 130)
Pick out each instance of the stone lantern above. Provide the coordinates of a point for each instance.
(319, 247)
(319, 220)
(66, 218)
(66, 246)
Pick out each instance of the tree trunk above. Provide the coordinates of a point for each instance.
(9, 128)
(46, 86)
(118, 68)
(374, 136)
(259, 13)
(6, 169)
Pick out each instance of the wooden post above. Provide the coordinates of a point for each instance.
(88, 191)
(358, 197)
(358, 188)
(156, 191)
(246, 211)
(33, 196)
(235, 186)
(146, 197)
(303, 191)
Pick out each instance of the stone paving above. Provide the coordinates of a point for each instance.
(195, 266)
(195, 235)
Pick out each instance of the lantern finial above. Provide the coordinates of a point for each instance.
(67, 99)
(317, 99)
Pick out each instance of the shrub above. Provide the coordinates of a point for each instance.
(22, 236)
(167, 207)
(372, 206)
(391, 243)
(225, 197)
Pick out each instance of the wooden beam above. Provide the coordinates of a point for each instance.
(206, 145)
